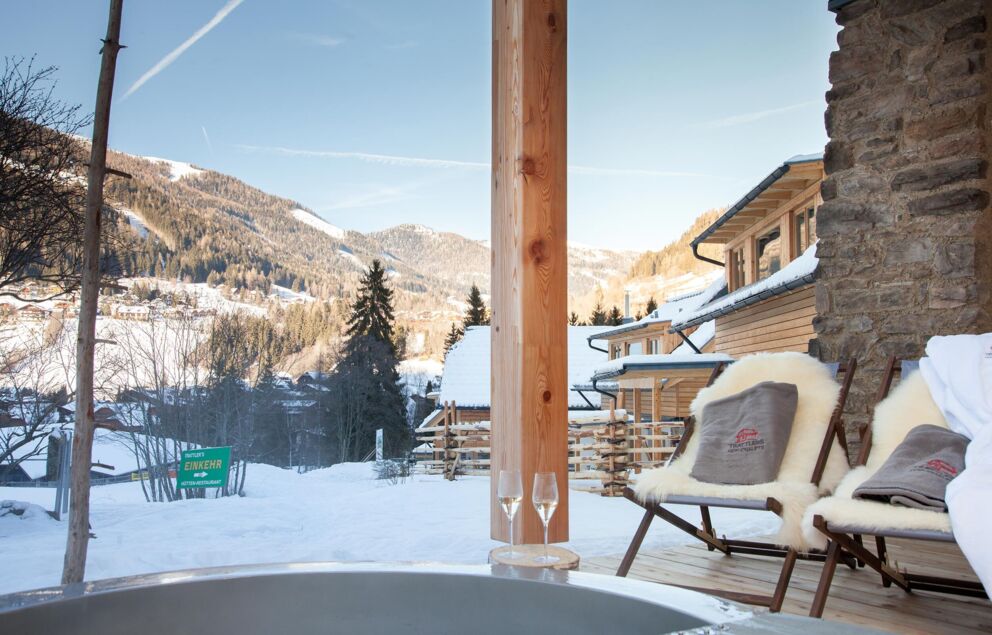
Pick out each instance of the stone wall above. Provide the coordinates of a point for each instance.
(905, 228)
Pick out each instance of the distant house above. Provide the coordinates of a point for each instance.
(33, 312)
(467, 375)
(140, 313)
(769, 245)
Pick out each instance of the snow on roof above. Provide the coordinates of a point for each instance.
(699, 338)
(430, 418)
(621, 365)
(797, 273)
(674, 308)
(466, 379)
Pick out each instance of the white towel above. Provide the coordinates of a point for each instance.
(958, 372)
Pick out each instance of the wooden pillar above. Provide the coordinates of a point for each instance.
(529, 282)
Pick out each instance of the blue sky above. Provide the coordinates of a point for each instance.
(376, 112)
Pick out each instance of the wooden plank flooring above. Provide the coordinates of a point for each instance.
(857, 597)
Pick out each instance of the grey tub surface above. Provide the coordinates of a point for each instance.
(308, 598)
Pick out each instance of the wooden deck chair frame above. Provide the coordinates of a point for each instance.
(728, 546)
(847, 541)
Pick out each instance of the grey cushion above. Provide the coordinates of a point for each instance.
(742, 438)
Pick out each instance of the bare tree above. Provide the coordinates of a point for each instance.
(30, 373)
(41, 189)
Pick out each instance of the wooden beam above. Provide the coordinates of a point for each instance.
(529, 266)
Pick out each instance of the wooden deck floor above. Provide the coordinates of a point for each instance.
(857, 597)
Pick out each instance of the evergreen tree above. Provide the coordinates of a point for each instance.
(615, 317)
(651, 306)
(573, 319)
(453, 337)
(365, 388)
(598, 317)
(476, 314)
(372, 312)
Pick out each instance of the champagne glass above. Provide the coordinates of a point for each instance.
(545, 502)
(509, 493)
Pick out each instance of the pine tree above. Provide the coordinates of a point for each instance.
(651, 306)
(453, 337)
(372, 312)
(476, 314)
(598, 317)
(573, 319)
(365, 385)
(616, 317)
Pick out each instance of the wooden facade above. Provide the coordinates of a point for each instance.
(782, 323)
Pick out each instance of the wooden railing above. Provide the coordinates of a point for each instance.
(604, 447)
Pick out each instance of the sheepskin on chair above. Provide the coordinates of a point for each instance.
(906, 407)
(818, 395)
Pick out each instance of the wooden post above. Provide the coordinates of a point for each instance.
(78, 537)
(529, 282)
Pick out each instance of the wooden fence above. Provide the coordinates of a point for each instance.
(604, 447)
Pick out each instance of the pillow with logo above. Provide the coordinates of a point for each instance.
(742, 438)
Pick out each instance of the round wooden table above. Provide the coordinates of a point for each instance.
(526, 556)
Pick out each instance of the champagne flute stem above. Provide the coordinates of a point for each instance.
(511, 537)
(545, 542)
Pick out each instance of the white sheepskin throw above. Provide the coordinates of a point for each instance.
(906, 407)
(818, 395)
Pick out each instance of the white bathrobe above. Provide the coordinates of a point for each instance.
(958, 372)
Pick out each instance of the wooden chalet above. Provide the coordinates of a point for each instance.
(769, 246)
(644, 396)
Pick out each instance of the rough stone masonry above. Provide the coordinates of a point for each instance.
(905, 228)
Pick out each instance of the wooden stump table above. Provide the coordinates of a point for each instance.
(527, 555)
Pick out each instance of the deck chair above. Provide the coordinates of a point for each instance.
(821, 404)
(842, 520)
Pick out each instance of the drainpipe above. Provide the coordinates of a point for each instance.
(596, 348)
(699, 256)
(603, 392)
(688, 342)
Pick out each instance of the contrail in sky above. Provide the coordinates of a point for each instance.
(735, 120)
(206, 138)
(389, 159)
(179, 50)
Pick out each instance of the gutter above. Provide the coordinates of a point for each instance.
(771, 292)
(699, 256)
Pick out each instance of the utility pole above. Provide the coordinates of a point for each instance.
(82, 441)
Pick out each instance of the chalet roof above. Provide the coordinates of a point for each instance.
(466, 378)
(672, 309)
(798, 273)
(621, 365)
(794, 164)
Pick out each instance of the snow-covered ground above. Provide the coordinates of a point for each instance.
(334, 514)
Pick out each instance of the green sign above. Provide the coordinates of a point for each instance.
(206, 467)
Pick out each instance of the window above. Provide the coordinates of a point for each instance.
(634, 348)
(654, 347)
(769, 251)
(805, 229)
(737, 279)
(617, 351)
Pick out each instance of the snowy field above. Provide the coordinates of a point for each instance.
(335, 514)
